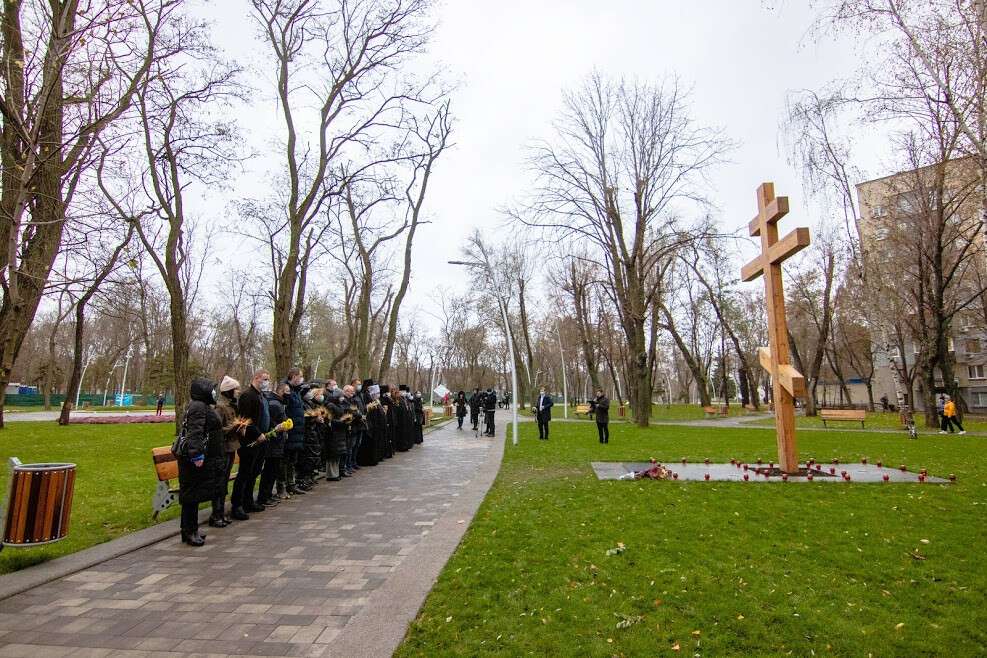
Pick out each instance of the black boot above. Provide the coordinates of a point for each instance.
(239, 514)
(216, 521)
(192, 538)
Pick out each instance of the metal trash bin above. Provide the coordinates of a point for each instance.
(39, 503)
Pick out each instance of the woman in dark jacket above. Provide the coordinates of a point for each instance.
(335, 438)
(460, 408)
(202, 458)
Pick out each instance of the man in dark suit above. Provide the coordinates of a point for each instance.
(601, 408)
(543, 412)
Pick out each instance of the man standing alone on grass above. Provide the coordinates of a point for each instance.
(600, 406)
(161, 401)
(543, 411)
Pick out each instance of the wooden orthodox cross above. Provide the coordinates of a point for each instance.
(787, 383)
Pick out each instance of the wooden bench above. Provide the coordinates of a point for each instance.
(582, 409)
(166, 467)
(843, 415)
(713, 412)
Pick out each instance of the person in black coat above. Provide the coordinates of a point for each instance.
(489, 409)
(387, 406)
(418, 407)
(274, 447)
(601, 408)
(461, 405)
(294, 409)
(368, 454)
(313, 445)
(201, 458)
(335, 432)
(543, 412)
(229, 391)
(476, 404)
(375, 443)
(252, 406)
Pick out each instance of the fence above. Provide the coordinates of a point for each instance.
(85, 400)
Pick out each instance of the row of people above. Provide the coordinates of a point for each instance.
(288, 436)
(485, 401)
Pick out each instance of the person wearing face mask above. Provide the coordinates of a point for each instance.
(274, 447)
(200, 457)
(334, 438)
(253, 407)
(387, 407)
(313, 448)
(353, 405)
(543, 411)
(371, 449)
(229, 391)
(294, 408)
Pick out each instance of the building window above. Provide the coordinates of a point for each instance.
(980, 399)
(976, 372)
(972, 346)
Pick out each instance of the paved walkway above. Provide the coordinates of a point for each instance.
(338, 572)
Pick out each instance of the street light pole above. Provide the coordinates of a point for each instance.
(507, 330)
(565, 384)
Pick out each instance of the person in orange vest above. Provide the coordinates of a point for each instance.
(950, 418)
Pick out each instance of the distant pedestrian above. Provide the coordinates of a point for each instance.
(460, 408)
(941, 412)
(476, 404)
(950, 418)
(489, 408)
(885, 404)
(600, 407)
(543, 412)
(161, 401)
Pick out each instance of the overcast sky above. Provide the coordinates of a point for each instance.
(514, 59)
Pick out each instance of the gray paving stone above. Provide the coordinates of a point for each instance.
(289, 582)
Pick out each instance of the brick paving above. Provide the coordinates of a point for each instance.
(284, 583)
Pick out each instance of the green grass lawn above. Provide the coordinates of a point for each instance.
(880, 420)
(659, 412)
(114, 482)
(714, 569)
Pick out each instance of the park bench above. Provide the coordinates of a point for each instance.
(843, 415)
(582, 409)
(713, 412)
(166, 467)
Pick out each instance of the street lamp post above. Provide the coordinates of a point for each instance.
(507, 330)
(565, 384)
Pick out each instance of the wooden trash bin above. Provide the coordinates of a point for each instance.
(39, 503)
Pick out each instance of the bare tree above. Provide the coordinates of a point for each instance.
(628, 159)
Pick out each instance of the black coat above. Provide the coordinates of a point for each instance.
(374, 446)
(545, 414)
(294, 408)
(601, 407)
(460, 406)
(250, 405)
(275, 445)
(204, 433)
(476, 402)
(335, 430)
(489, 401)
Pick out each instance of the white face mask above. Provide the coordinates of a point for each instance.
(265, 385)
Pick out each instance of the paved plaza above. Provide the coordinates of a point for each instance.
(338, 572)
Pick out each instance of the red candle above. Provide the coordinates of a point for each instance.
(903, 468)
(880, 464)
(952, 477)
(784, 477)
(706, 476)
(746, 477)
(921, 478)
(886, 478)
(809, 477)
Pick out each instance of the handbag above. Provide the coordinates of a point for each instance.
(179, 446)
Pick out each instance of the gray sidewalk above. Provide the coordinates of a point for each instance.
(338, 572)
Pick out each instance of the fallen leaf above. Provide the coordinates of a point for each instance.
(696, 633)
(924, 541)
(675, 647)
(448, 619)
(899, 625)
(740, 617)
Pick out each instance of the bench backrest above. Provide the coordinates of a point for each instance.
(582, 408)
(847, 414)
(165, 464)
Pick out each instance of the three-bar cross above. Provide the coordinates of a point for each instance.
(787, 383)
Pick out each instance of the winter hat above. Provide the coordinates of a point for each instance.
(228, 384)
